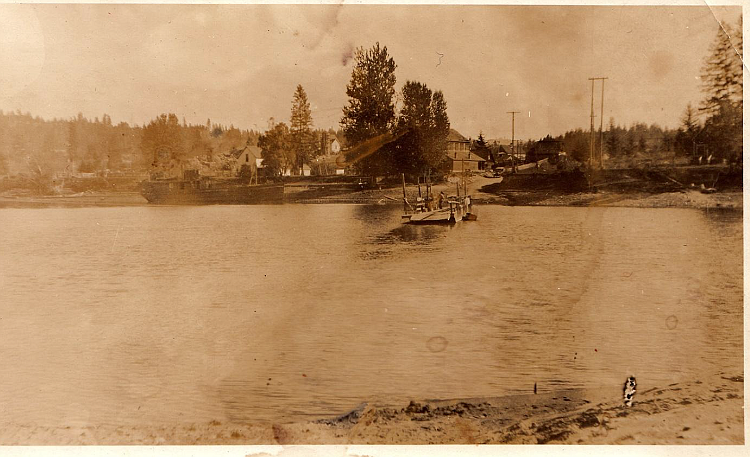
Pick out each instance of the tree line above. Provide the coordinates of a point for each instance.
(416, 115)
(32, 144)
(713, 129)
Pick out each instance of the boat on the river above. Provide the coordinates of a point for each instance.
(194, 189)
(454, 212)
(450, 210)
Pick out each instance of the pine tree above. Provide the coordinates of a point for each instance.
(690, 121)
(722, 70)
(642, 145)
(301, 128)
(630, 142)
(722, 83)
(480, 143)
(3, 135)
(613, 139)
(371, 109)
(73, 142)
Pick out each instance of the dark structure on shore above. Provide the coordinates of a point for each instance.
(546, 148)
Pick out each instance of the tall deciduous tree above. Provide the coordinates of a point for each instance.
(302, 141)
(162, 140)
(275, 146)
(441, 127)
(424, 117)
(415, 116)
(371, 109)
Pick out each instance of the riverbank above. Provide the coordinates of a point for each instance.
(687, 199)
(74, 200)
(481, 193)
(484, 190)
(480, 188)
(703, 411)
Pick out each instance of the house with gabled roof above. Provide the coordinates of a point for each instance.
(249, 155)
(459, 156)
(331, 143)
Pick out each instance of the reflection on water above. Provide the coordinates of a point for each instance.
(403, 240)
(179, 314)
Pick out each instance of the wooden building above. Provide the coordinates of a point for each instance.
(459, 155)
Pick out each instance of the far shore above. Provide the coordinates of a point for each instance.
(689, 199)
(480, 188)
(705, 410)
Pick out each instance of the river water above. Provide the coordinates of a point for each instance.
(164, 315)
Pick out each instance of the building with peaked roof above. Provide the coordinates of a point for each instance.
(329, 144)
(326, 164)
(459, 156)
(248, 155)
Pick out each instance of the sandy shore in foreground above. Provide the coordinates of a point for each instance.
(703, 411)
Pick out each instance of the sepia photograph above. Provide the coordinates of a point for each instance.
(371, 224)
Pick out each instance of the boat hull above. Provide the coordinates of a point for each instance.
(202, 193)
(440, 216)
(458, 210)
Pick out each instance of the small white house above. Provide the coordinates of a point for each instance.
(249, 155)
(335, 147)
(329, 144)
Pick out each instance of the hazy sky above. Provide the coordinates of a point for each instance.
(240, 64)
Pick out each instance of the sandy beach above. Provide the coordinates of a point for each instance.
(703, 411)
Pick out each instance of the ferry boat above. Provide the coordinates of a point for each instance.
(450, 209)
(455, 211)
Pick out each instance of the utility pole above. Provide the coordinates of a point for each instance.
(591, 134)
(513, 137)
(601, 130)
(601, 124)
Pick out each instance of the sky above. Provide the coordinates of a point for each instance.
(240, 64)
